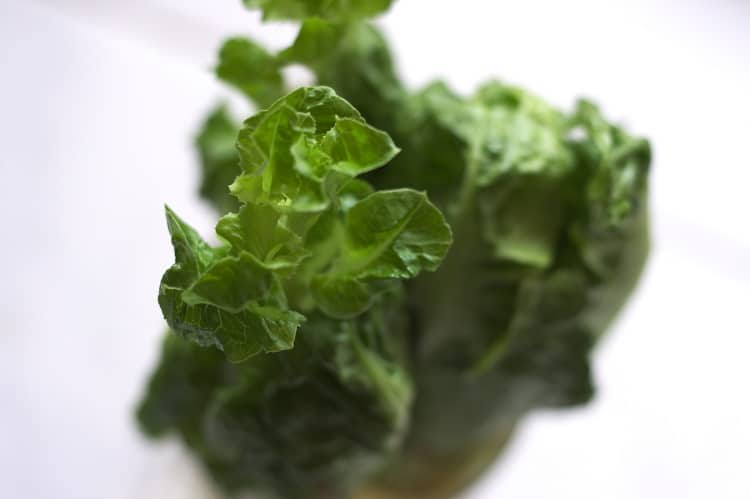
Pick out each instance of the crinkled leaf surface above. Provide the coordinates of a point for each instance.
(393, 234)
(549, 217)
(310, 232)
(265, 146)
(257, 229)
(386, 235)
(224, 301)
(322, 416)
(516, 306)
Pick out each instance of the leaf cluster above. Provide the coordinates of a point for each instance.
(359, 347)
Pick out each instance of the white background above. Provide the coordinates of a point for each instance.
(99, 101)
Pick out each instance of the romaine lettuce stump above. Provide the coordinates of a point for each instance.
(375, 321)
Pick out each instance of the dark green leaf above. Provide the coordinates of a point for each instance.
(248, 67)
(219, 159)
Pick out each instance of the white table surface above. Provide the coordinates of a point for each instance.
(98, 104)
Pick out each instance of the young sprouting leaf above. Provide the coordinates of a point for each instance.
(355, 147)
(393, 234)
(251, 69)
(324, 9)
(240, 335)
(289, 151)
(387, 235)
(257, 229)
(351, 147)
(341, 256)
(192, 254)
(230, 283)
(354, 59)
(223, 301)
(265, 146)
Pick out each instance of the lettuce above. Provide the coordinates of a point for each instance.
(377, 315)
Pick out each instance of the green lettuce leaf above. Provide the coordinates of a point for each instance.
(266, 143)
(257, 230)
(321, 417)
(386, 235)
(219, 159)
(550, 238)
(251, 69)
(307, 229)
(324, 9)
(348, 362)
(219, 300)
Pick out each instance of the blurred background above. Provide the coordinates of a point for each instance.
(100, 101)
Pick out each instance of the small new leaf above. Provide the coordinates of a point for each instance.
(257, 229)
(355, 147)
(224, 301)
(265, 146)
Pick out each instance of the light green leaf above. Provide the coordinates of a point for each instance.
(507, 132)
(347, 191)
(224, 301)
(240, 334)
(351, 147)
(355, 147)
(192, 254)
(230, 283)
(393, 234)
(265, 145)
(354, 58)
(386, 235)
(258, 229)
